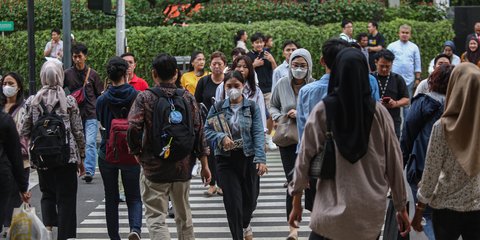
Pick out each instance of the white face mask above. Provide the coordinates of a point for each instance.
(9, 91)
(234, 93)
(299, 73)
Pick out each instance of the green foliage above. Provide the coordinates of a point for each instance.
(147, 42)
(48, 13)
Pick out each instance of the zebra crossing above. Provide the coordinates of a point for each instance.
(209, 217)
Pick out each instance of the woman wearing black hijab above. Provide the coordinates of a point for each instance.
(365, 162)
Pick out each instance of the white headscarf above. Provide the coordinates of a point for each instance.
(51, 93)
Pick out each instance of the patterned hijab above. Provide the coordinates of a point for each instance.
(461, 119)
(51, 76)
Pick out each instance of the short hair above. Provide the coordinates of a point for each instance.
(385, 54)
(79, 48)
(438, 81)
(345, 22)
(361, 35)
(165, 66)
(405, 26)
(331, 48)
(441, 56)
(57, 30)
(288, 42)
(267, 37)
(128, 54)
(256, 36)
(234, 74)
(218, 54)
(238, 51)
(374, 23)
(116, 68)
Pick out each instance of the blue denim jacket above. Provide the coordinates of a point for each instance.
(251, 129)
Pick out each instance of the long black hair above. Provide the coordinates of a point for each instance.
(192, 58)
(251, 73)
(20, 93)
(238, 36)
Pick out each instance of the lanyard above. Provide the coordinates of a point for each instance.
(383, 88)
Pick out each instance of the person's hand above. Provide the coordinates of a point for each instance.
(292, 113)
(206, 176)
(261, 169)
(227, 143)
(258, 62)
(268, 56)
(403, 222)
(295, 216)
(390, 104)
(26, 196)
(417, 221)
(80, 169)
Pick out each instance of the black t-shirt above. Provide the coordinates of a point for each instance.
(396, 88)
(373, 41)
(264, 73)
(205, 91)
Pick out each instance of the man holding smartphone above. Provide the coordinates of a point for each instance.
(393, 89)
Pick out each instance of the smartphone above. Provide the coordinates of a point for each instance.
(386, 99)
(261, 55)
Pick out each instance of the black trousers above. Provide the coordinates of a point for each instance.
(238, 179)
(212, 165)
(59, 199)
(450, 225)
(15, 200)
(288, 156)
(6, 188)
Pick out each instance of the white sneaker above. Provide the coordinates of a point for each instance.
(270, 145)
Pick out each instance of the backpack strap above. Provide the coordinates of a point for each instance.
(45, 110)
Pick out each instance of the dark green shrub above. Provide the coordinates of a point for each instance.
(146, 42)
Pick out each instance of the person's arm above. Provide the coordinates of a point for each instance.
(48, 49)
(13, 151)
(27, 120)
(418, 66)
(433, 164)
(374, 87)
(270, 58)
(98, 85)
(258, 136)
(76, 125)
(136, 122)
(414, 122)
(301, 115)
(199, 90)
(394, 172)
(220, 92)
(275, 103)
(275, 78)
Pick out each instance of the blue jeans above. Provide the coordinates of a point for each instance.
(428, 228)
(131, 183)
(410, 96)
(90, 130)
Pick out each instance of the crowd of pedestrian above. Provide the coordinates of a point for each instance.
(343, 139)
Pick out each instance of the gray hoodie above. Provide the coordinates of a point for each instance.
(283, 97)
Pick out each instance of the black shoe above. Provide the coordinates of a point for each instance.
(171, 211)
(88, 178)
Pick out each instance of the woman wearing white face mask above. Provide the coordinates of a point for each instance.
(12, 101)
(283, 110)
(240, 157)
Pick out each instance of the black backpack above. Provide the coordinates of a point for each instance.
(173, 136)
(50, 142)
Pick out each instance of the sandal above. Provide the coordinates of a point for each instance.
(209, 193)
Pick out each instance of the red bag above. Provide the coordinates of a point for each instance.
(117, 148)
(80, 94)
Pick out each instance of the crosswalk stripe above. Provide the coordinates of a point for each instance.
(209, 217)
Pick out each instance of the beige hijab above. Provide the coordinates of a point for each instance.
(51, 76)
(461, 119)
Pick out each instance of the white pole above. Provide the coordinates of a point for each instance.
(120, 28)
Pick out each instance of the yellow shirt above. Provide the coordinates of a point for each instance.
(189, 81)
